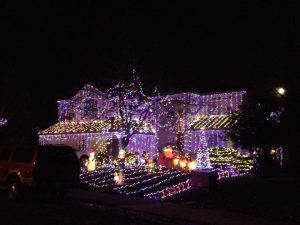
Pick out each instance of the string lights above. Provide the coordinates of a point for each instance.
(203, 160)
(3, 121)
(139, 182)
(170, 191)
(229, 162)
(97, 120)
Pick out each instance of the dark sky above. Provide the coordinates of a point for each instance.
(49, 51)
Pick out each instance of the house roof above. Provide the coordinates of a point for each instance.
(211, 122)
(88, 126)
(72, 127)
(86, 91)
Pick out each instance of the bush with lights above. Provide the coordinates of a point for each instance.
(230, 162)
(102, 157)
(131, 159)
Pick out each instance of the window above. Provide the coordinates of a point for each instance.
(23, 155)
(90, 109)
(4, 154)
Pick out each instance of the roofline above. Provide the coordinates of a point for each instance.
(170, 94)
(204, 94)
(95, 132)
(73, 96)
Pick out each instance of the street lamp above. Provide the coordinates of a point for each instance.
(281, 91)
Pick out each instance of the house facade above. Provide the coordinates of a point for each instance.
(88, 121)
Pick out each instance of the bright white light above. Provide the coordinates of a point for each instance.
(281, 91)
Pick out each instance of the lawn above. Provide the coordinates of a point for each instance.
(138, 182)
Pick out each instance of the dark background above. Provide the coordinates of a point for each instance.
(49, 51)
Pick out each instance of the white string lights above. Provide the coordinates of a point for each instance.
(140, 182)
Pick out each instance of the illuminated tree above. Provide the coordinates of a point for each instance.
(132, 108)
(203, 160)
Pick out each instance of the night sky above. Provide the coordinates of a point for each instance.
(49, 51)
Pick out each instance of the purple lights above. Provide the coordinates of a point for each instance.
(143, 142)
(3, 121)
(192, 139)
(91, 118)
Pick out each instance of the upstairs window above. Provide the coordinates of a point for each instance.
(90, 109)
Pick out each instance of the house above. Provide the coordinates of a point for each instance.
(192, 121)
(85, 122)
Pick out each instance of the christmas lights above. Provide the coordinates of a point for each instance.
(3, 121)
(229, 162)
(124, 117)
(231, 157)
(138, 181)
(170, 191)
(203, 160)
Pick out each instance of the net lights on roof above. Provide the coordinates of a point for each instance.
(71, 127)
(92, 126)
(213, 122)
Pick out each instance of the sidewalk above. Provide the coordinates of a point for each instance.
(168, 210)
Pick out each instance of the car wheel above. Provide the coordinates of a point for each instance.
(13, 189)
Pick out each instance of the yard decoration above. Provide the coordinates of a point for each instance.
(183, 163)
(119, 178)
(145, 156)
(191, 165)
(163, 161)
(150, 160)
(175, 162)
(168, 152)
(92, 161)
(122, 153)
(131, 159)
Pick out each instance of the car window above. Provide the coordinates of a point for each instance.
(57, 156)
(23, 155)
(4, 154)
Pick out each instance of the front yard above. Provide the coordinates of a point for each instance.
(138, 181)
